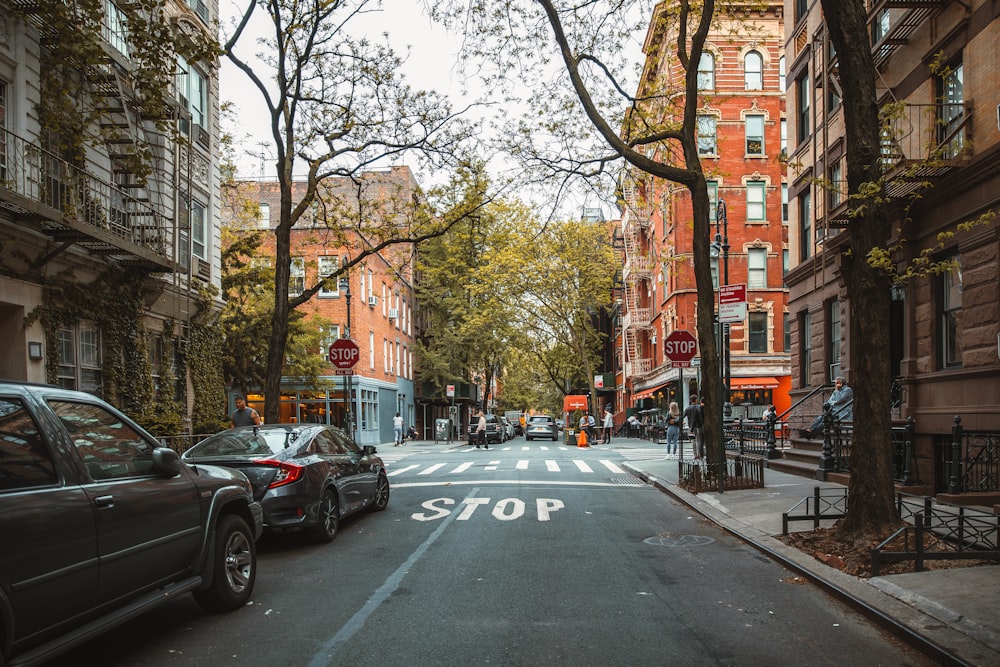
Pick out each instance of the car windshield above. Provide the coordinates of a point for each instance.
(244, 443)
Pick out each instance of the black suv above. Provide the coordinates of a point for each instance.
(494, 430)
(102, 524)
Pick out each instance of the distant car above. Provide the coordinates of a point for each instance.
(305, 476)
(509, 433)
(494, 430)
(101, 524)
(514, 417)
(541, 426)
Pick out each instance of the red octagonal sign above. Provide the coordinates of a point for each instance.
(344, 353)
(680, 348)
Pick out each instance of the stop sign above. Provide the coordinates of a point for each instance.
(344, 353)
(680, 348)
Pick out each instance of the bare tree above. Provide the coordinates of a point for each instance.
(336, 106)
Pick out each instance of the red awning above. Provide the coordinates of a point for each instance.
(646, 393)
(753, 383)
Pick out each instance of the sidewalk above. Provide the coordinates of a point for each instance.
(952, 615)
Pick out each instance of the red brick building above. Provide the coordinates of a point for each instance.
(376, 301)
(741, 141)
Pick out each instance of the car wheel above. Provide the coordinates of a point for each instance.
(327, 518)
(234, 566)
(381, 499)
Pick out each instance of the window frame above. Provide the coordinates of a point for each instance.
(324, 291)
(706, 74)
(753, 204)
(757, 332)
(756, 268)
(296, 273)
(703, 121)
(752, 138)
(753, 79)
(949, 289)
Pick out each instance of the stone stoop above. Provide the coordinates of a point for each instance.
(801, 459)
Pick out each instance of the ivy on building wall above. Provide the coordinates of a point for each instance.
(203, 356)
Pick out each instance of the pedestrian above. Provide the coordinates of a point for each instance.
(481, 432)
(591, 428)
(411, 433)
(609, 425)
(695, 418)
(397, 429)
(634, 426)
(674, 418)
(841, 403)
(242, 415)
(769, 412)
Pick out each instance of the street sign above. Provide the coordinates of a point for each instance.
(450, 391)
(732, 303)
(680, 347)
(343, 353)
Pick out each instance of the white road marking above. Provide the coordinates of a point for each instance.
(551, 466)
(522, 465)
(462, 468)
(431, 469)
(582, 465)
(402, 470)
(612, 467)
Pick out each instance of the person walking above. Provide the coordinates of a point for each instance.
(243, 415)
(397, 429)
(481, 432)
(609, 425)
(673, 428)
(695, 418)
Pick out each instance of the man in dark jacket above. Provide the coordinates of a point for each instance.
(695, 418)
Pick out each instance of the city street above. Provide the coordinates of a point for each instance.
(526, 553)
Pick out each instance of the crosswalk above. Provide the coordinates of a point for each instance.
(418, 469)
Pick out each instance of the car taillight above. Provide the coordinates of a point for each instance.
(286, 473)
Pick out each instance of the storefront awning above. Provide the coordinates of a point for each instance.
(753, 383)
(646, 393)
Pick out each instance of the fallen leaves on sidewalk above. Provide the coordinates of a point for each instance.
(854, 558)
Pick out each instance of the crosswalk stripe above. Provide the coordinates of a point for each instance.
(522, 465)
(431, 469)
(612, 467)
(393, 473)
(582, 465)
(461, 468)
(551, 466)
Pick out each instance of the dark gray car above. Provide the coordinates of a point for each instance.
(541, 426)
(305, 476)
(100, 524)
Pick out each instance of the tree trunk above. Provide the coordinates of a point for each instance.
(279, 320)
(871, 494)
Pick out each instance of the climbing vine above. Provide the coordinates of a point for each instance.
(203, 356)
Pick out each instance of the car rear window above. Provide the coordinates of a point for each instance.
(243, 443)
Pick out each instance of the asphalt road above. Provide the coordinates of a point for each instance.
(523, 554)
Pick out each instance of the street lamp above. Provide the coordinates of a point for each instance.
(723, 242)
(345, 285)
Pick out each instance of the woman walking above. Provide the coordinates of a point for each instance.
(673, 428)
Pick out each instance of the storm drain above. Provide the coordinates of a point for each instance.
(628, 480)
(671, 540)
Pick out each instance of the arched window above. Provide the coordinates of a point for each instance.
(706, 72)
(753, 71)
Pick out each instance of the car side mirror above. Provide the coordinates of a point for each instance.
(370, 450)
(166, 462)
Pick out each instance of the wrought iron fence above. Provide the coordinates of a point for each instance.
(738, 472)
(974, 464)
(823, 504)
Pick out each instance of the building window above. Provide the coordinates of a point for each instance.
(785, 263)
(757, 268)
(753, 71)
(297, 276)
(264, 216)
(198, 231)
(192, 88)
(115, 28)
(369, 409)
(801, 9)
(706, 135)
(80, 357)
(329, 334)
(805, 226)
(755, 134)
(880, 26)
(781, 74)
(802, 94)
(706, 71)
(950, 289)
(199, 8)
(784, 203)
(952, 136)
(713, 200)
(756, 204)
(805, 348)
(834, 338)
(371, 350)
(328, 266)
(837, 185)
(786, 321)
(783, 125)
(757, 325)
(3, 126)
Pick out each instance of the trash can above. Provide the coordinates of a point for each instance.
(441, 429)
(570, 436)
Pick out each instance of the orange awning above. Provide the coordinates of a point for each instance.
(571, 403)
(753, 383)
(646, 393)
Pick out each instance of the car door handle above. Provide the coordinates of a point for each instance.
(104, 501)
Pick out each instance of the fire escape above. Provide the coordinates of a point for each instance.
(637, 272)
(101, 203)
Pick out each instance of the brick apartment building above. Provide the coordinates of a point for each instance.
(740, 141)
(376, 301)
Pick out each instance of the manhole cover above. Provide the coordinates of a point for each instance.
(668, 540)
(628, 481)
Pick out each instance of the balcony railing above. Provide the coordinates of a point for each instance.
(924, 141)
(70, 204)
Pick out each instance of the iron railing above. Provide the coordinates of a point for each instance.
(974, 464)
(738, 472)
(823, 504)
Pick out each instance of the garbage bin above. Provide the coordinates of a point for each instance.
(570, 436)
(441, 429)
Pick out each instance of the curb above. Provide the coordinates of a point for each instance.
(892, 614)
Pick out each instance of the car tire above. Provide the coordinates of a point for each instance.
(381, 499)
(327, 519)
(234, 566)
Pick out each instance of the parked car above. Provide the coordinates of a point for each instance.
(541, 426)
(508, 433)
(494, 430)
(101, 524)
(305, 476)
(514, 417)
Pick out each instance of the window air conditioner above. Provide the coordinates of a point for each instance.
(393, 313)
(652, 339)
(373, 301)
